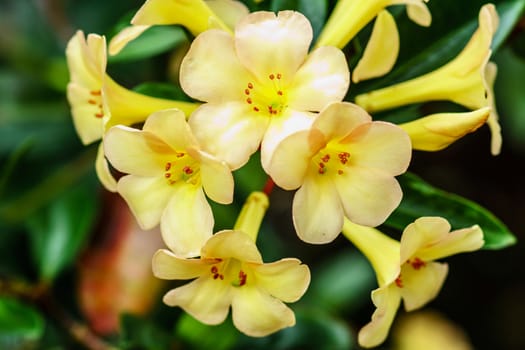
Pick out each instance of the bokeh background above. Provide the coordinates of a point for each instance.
(74, 267)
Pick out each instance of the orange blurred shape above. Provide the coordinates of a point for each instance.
(114, 274)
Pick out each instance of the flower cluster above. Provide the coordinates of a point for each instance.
(258, 82)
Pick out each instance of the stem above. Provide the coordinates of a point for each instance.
(268, 186)
(252, 214)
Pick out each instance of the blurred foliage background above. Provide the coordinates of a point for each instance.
(75, 268)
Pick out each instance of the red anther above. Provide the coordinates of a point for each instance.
(325, 158)
(256, 109)
(247, 91)
(187, 170)
(279, 75)
(168, 166)
(99, 115)
(399, 282)
(272, 77)
(250, 86)
(167, 175)
(92, 102)
(249, 101)
(214, 269)
(340, 172)
(417, 263)
(280, 93)
(96, 92)
(242, 278)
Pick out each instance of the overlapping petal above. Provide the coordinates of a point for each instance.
(232, 244)
(258, 314)
(187, 221)
(167, 265)
(285, 279)
(421, 285)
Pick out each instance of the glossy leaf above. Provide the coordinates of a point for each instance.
(21, 326)
(422, 199)
(154, 41)
(58, 230)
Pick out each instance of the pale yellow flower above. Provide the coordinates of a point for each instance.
(259, 84)
(466, 80)
(231, 272)
(97, 102)
(345, 166)
(350, 16)
(167, 175)
(195, 15)
(407, 270)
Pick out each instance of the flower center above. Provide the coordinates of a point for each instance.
(182, 168)
(229, 270)
(267, 97)
(330, 159)
(95, 99)
(415, 263)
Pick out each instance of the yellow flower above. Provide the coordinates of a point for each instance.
(196, 15)
(407, 270)
(437, 131)
(345, 166)
(230, 271)
(260, 84)
(465, 80)
(167, 174)
(350, 16)
(97, 102)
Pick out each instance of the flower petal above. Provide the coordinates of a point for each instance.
(286, 279)
(103, 171)
(205, 299)
(367, 195)
(380, 145)
(323, 78)
(86, 116)
(289, 162)
(217, 179)
(458, 241)
(381, 51)
(171, 127)
(257, 314)
(422, 285)
(167, 265)
(187, 222)
(421, 233)
(130, 151)
(229, 11)
(495, 129)
(386, 300)
(418, 12)
(146, 197)
(317, 212)
(211, 70)
(228, 131)
(122, 38)
(337, 120)
(232, 244)
(291, 121)
(269, 44)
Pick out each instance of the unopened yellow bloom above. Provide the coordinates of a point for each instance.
(259, 84)
(350, 16)
(407, 270)
(345, 166)
(167, 175)
(465, 80)
(438, 131)
(195, 15)
(231, 272)
(97, 102)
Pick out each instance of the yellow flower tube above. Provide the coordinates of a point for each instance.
(252, 214)
(462, 80)
(350, 16)
(438, 131)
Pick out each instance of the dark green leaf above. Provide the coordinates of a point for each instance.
(58, 230)
(422, 199)
(141, 333)
(153, 41)
(21, 326)
(162, 90)
(314, 10)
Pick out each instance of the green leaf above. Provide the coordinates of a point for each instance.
(153, 41)
(342, 282)
(314, 10)
(162, 90)
(21, 326)
(422, 199)
(201, 336)
(143, 333)
(58, 230)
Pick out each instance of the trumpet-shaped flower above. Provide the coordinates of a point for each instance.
(259, 84)
(407, 270)
(97, 102)
(196, 15)
(230, 271)
(345, 166)
(463, 80)
(437, 131)
(167, 174)
(350, 16)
